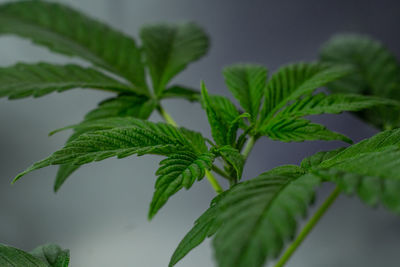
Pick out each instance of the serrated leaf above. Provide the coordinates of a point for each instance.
(178, 170)
(247, 83)
(10, 257)
(223, 117)
(318, 158)
(170, 48)
(138, 137)
(293, 81)
(52, 254)
(50, 24)
(376, 73)
(332, 104)
(24, 80)
(179, 91)
(259, 216)
(204, 227)
(299, 130)
(233, 157)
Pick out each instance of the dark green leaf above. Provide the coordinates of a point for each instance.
(24, 80)
(247, 83)
(178, 91)
(233, 157)
(180, 169)
(52, 254)
(170, 48)
(204, 227)
(377, 73)
(11, 257)
(67, 31)
(259, 216)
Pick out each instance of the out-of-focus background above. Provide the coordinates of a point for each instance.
(100, 213)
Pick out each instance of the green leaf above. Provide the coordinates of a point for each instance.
(370, 169)
(293, 81)
(259, 216)
(204, 227)
(376, 73)
(24, 80)
(233, 157)
(136, 137)
(318, 158)
(247, 83)
(299, 130)
(180, 169)
(170, 48)
(52, 254)
(178, 91)
(67, 31)
(223, 117)
(121, 106)
(331, 104)
(10, 257)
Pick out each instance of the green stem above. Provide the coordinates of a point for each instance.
(249, 146)
(210, 177)
(307, 229)
(166, 116)
(214, 183)
(222, 173)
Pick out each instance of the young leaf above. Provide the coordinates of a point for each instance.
(179, 170)
(170, 48)
(296, 80)
(10, 256)
(299, 130)
(376, 73)
(24, 80)
(178, 91)
(138, 137)
(247, 83)
(233, 157)
(258, 216)
(204, 227)
(332, 104)
(52, 254)
(67, 31)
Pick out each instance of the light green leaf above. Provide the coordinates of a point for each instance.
(233, 157)
(178, 91)
(180, 169)
(24, 80)
(247, 83)
(52, 254)
(67, 31)
(259, 216)
(136, 137)
(293, 81)
(204, 227)
(10, 257)
(376, 73)
(170, 48)
(331, 104)
(298, 130)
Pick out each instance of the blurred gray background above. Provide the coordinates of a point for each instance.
(100, 213)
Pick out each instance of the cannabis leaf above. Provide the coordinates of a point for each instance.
(258, 216)
(179, 170)
(179, 91)
(24, 80)
(51, 25)
(369, 169)
(247, 83)
(234, 159)
(204, 227)
(376, 72)
(170, 48)
(136, 137)
(44, 256)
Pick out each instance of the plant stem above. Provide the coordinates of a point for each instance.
(308, 227)
(214, 183)
(223, 174)
(166, 116)
(249, 146)
(210, 177)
